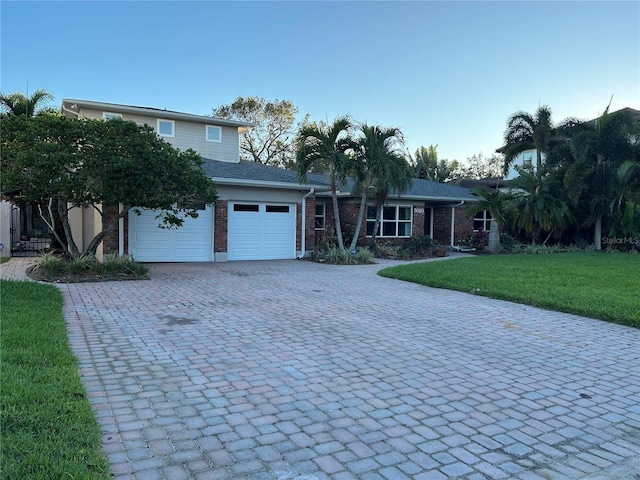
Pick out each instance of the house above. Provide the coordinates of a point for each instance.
(426, 208)
(262, 212)
(527, 158)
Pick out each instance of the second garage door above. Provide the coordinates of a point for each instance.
(261, 231)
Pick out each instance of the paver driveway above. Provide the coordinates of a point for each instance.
(289, 369)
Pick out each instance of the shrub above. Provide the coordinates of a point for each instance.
(419, 246)
(477, 239)
(509, 243)
(51, 267)
(364, 255)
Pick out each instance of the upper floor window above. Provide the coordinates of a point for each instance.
(396, 221)
(166, 128)
(111, 116)
(527, 160)
(213, 133)
(320, 215)
(482, 220)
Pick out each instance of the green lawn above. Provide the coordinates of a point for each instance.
(48, 428)
(598, 285)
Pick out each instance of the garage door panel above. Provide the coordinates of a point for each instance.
(190, 243)
(265, 234)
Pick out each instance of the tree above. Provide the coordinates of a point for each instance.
(381, 167)
(540, 204)
(322, 148)
(478, 166)
(270, 140)
(499, 206)
(526, 132)
(595, 178)
(62, 163)
(426, 165)
(19, 104)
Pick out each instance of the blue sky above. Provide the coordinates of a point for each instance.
(446, 73)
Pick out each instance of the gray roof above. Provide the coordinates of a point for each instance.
(423, 190)
(256, 173)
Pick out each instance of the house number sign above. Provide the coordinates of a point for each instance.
(418, 210)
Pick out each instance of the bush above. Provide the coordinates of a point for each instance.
(509, 243)
(342, 257)
(478, 239)
(113, 267)
(419, 246)
(364, 255)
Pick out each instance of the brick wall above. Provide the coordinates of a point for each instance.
(221, 215)
(309, 229)
(110, 243)
(442, 225)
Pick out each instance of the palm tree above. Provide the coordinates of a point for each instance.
(594, 178)
(321, 148)
(19, 104)
(526, 132)
(381, 168)
(540, 204)
(499, 206)
(426, 165)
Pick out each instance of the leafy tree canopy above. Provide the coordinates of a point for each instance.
(271, 140)
(478, 166)
(59, 163)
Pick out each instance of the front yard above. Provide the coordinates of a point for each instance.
(597, 285)
(48, 428)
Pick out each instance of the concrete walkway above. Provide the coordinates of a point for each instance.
(295, 370)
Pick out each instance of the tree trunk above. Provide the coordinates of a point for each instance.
(53, 226)
(63, 211)
(92, 248)
(494, 237)
(597, 234)
(376, 225)
(336, 215)
(363, 207)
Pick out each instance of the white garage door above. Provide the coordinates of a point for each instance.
(190, 243)
(261, 231)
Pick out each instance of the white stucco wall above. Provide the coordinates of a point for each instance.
(5, 228)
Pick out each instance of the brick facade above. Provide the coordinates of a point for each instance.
(442, 225)
(220, 221)
(111, 241)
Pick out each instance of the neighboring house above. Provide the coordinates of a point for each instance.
(527, 159)
(524, 160)
(262, 212)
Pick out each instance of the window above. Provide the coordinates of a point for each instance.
(527, 158)
(482, 221)
(396, 221)
(244, 207)
(320, 215)
(277, 209)
(213, 133)
(165, 128)
(111, 116)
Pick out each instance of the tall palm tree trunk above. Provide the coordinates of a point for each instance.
(336, 215)
(356, 234)
(597, 234)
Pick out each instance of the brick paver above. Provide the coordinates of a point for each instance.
(295, 370)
